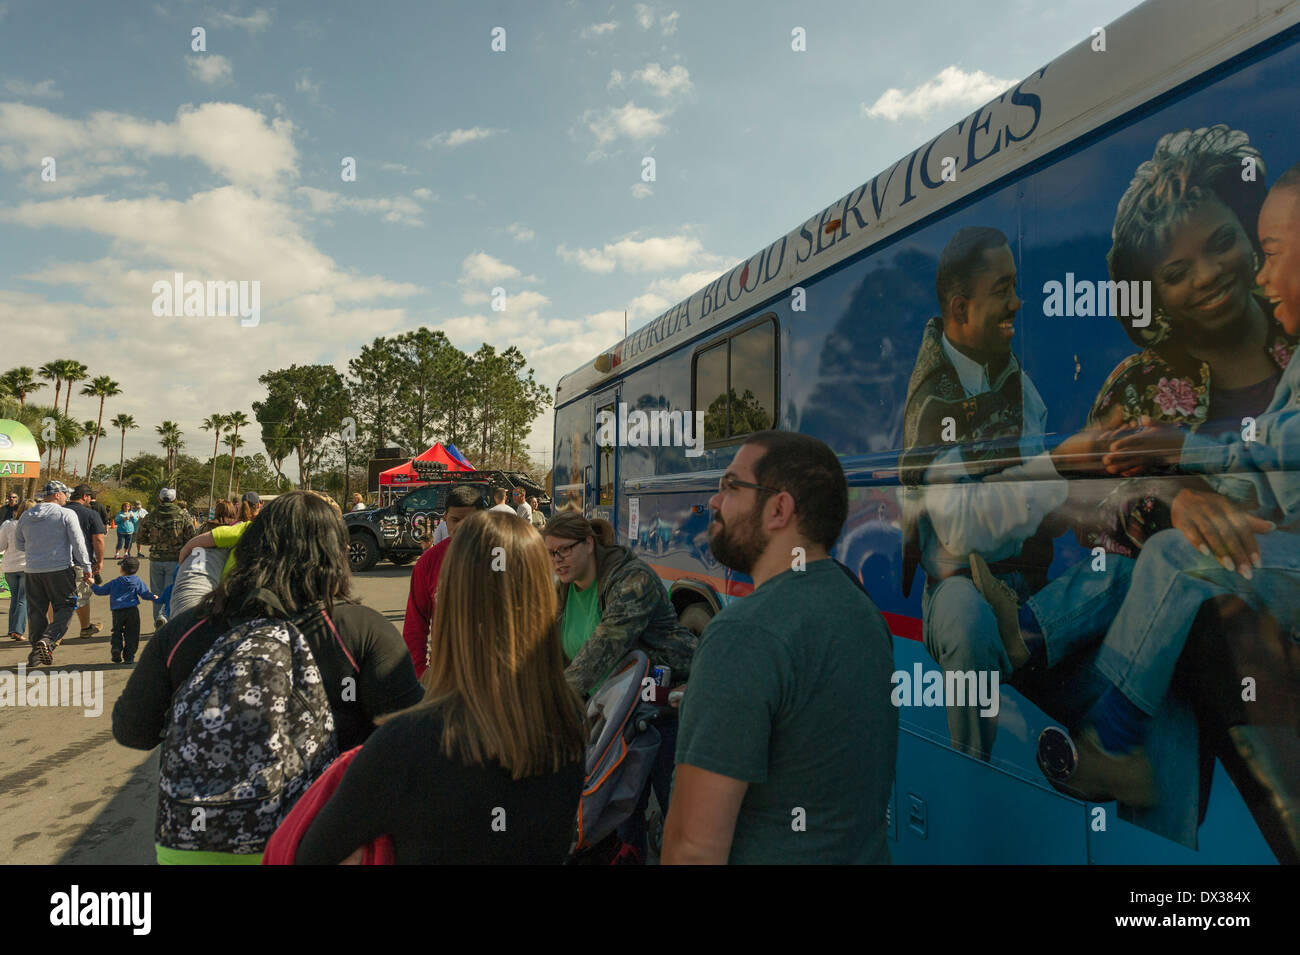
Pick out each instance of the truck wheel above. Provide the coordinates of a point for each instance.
(399, 560)
(362, 552)
(696, 617)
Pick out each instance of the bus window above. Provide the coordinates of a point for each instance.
(753, 380)
(735, 383)
(711, 391)
(606, 461)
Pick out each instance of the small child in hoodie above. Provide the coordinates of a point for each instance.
(125, 592)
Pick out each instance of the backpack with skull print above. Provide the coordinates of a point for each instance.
(249, 733)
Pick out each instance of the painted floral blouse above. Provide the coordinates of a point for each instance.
(1167, 385)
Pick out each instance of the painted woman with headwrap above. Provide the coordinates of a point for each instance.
(1212, 353)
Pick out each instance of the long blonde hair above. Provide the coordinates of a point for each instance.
(496, 667)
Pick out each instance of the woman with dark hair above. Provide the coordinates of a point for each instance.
(611, 602)
(292, 565)
(488, 768)
(1213, 352)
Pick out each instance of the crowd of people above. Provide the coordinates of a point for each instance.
(298, 725)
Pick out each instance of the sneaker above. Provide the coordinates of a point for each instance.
(128, 660)
(90, 631)
(1006, 608)
(34, 659)
(45, 653)
(117, 657)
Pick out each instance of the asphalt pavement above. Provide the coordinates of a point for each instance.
(68, 792)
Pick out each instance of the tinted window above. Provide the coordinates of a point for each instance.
(424, 499)
(605, 461)
(753, 380)
(711, 390)
(735, 383)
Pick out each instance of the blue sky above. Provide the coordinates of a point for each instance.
(475, 169)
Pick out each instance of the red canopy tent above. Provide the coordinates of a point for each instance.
(404, 474)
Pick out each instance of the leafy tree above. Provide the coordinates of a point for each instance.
(374, 388)
(73, 371)
(428, 366)
(304, 405)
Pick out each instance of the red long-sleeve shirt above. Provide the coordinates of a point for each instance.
(419, 604)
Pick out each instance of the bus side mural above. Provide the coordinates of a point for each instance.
(1070, 418)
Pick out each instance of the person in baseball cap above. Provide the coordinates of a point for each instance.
(50, 536)
(167, 494)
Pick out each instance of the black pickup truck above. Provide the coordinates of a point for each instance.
(395, 533)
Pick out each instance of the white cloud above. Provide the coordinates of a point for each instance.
(642, 255)
(209, 68)
(952, 88)
(44, 89)
(669, 23)
(599, 29)
(630, 120)
(458, 137)
(665, 82)
(642, 190)
(520, 232)
(483, 268)
(232, 140)
(615, 80)
(305, 84)
(645, 17)
(398, 209)
(256, 22)
(423, 193)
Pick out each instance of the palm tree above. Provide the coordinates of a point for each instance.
(123, 422)
(217, 423)
(101, 388)
(234, 442)
(170, 433)
(93, 433)
(73, 371)
(236, 420)
(53, 371)
(67, 434)
(20, 382)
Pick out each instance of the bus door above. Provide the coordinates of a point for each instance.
(600, 495)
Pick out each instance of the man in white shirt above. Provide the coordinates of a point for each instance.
(499, 501)
(980, 489)
(522, 507)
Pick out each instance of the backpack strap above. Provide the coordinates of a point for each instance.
(330, 624)
(182, 640)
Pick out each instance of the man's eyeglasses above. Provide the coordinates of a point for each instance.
(562, 553)
(728, 483)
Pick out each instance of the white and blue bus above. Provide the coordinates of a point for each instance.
(1156, 138)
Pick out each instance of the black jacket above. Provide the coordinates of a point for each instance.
(385, 682)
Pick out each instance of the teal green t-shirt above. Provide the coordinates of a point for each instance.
(581, 617)
(790, 691)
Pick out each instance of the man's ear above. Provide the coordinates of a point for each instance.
(779, 511)
(957, 307)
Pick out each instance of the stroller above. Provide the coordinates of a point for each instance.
(621, 751)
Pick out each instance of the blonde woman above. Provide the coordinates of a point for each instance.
(488, 768)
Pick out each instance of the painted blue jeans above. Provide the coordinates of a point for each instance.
(1171, 580)
(961, 633)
